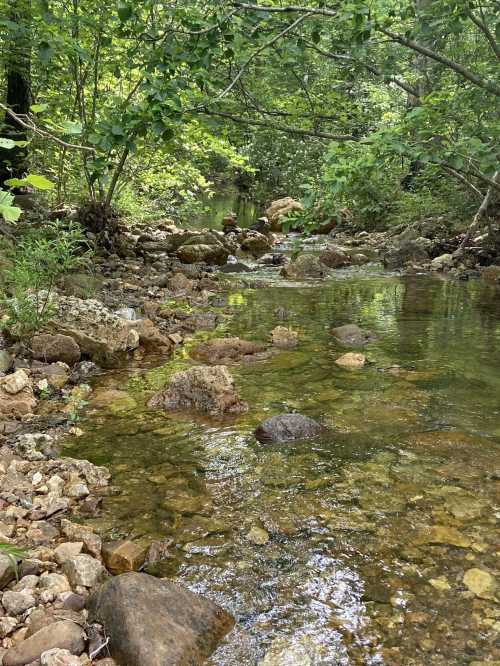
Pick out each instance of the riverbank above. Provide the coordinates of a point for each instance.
(40, 491)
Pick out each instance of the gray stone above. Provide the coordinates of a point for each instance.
(65, 635)
(16, 603)
(5, 360)
(287, 427)
(84, 570)
(352, 335)
(52, 348)
(156, 622)
(7, 570)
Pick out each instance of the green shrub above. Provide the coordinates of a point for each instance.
(40, 257)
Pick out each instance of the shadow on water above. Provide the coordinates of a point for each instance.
(368, 531)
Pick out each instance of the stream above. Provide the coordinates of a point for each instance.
(363, 535)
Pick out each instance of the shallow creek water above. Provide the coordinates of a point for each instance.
(372, 527)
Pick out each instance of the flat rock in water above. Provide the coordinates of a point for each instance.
(352, 335)
(351, 360)
(287, 427)
(156, 622)
(227, 350)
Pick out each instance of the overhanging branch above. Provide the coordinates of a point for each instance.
(280, 128)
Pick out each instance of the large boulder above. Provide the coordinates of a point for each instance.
(227, 350)
(215, 254)
(287, 427)
(99, 333)
(305, 266)
(16, 395)
(156, 622)
(334, 257)
(352, 335)
(53, 348)
(279, 209)
(205, 248)
(65, 635)
(201, 388)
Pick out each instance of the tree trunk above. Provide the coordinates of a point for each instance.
(13, 162)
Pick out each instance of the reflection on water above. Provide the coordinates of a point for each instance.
(222, 203)
(369, 529)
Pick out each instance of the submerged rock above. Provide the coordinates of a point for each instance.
(202, 388)
(284, 337)
(287, 427)
(352, 335)
(351, 360)
(258, 536)
(122, 556)
(481, 583)
(227, 350)
(156, 622)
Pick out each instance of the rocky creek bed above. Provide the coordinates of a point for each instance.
(371, 540)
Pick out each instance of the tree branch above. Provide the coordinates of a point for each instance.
(340, 56)
(28, 124)
(281, 128)
(321, 11)
(264, 46)
(482, 25)
(451, 64)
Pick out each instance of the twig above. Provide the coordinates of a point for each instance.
(30, 125)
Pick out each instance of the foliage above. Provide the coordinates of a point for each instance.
(15, 554)
(39, 258)
(152, 103)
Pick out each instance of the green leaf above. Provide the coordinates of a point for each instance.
(71, 127)
(124, 11)
(7, 143)
(38, 108)
(7, 211)
(38, 182)
(10, 143)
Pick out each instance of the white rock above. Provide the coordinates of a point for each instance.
(57, 657)
(37, 479)
(27, 583)
(79, 489)
(83, 570)
(7, 626)
(66, 551)
(55, 484)
(15, 382)
(55, 583)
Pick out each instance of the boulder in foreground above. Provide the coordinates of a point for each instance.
(287, 427)
(156, 622)
(205, 389)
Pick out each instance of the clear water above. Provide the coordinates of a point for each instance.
(344, 577)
